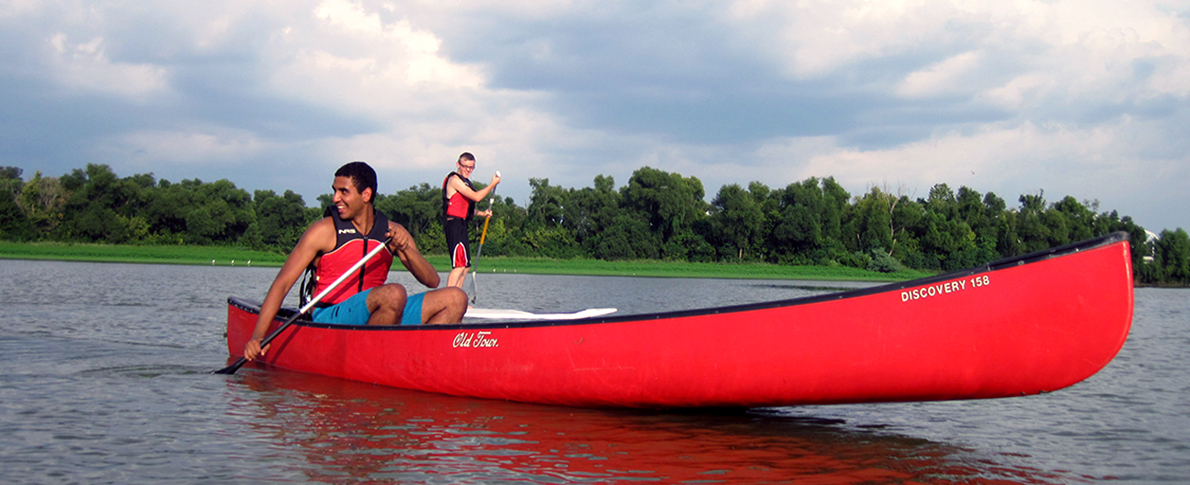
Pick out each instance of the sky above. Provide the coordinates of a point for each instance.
(1084, 98)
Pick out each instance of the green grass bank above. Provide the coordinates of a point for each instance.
(232, 256)
(107, 253)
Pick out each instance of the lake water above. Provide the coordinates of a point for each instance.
(105, 380)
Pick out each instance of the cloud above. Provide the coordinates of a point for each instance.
(1085, 97)
(147, 148)
(419, 62)
(16, 8)
(86, 66)
(1013, 55)
(352, 59)
(949, 77)
(1099, 162)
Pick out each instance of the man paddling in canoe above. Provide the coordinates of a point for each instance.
(458, 204)
(335, 243)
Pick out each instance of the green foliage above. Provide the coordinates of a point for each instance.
(884, 263)
(552, 242)
(805, 222)
(669, 203)
(545, 205)
(280, 220)
(587, 212)
(798, 227)
(854, 260)
(869, 224)
(14, 224)
(1173, 255)
(629, 237)
(42, 200)
(657, 216)
(737, 220)
(417, 208)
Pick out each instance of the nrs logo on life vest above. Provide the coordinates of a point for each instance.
(347, 231)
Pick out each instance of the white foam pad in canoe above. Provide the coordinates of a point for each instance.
(502, 314)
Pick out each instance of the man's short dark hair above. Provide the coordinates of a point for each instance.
(362, 175)
(467, 156)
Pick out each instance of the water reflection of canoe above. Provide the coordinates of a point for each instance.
(1015, 327)
(353, 432)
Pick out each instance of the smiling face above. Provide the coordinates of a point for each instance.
(466, 167)
(348, 200)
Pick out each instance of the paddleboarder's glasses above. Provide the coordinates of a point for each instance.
(467, 167)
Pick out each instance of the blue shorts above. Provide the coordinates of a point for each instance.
(354, 311)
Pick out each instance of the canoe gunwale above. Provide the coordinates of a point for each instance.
(254, 307)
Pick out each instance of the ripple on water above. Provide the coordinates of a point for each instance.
(110, 384)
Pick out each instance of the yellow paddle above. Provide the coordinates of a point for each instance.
(483, 235)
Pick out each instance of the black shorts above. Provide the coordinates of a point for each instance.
(457, 244)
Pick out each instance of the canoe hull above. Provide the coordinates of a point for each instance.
(1018, 327)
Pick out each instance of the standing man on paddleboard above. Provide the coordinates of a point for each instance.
(459, 200)
(333, 244)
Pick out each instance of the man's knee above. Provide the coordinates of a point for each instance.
(390, 296)
(446, 305)
(456, 297)
(447, 298)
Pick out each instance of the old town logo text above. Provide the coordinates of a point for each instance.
(944, 288)
(476, 340)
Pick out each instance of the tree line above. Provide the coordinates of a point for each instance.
(657, 215)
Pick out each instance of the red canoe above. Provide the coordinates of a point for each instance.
(1019, 326)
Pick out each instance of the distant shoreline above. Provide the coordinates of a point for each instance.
(115, 253)
(232, 256)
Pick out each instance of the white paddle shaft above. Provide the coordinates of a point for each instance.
(344, 276)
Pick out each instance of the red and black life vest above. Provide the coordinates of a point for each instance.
(457, 206)
(350, 247)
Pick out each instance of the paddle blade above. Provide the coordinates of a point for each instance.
(231, 369)
(474, 289)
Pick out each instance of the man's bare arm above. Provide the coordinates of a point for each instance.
(313, 241)
(473, 195)
(406, 250)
